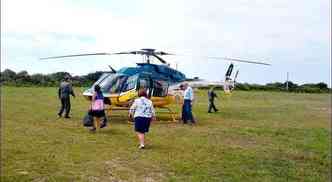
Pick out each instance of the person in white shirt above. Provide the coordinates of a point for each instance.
(188, 98)
(143, 113)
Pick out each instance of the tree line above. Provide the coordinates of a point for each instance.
(23, 78)
(292, 87)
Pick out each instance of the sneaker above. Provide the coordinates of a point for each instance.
(93, 129)
(67, 117)
(59, 115)
(141, 146)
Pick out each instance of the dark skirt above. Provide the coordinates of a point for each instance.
(98, 114)
(142, 124)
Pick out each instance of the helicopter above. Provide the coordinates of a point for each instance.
(162, 83)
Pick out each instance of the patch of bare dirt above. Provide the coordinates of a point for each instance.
(123, 171)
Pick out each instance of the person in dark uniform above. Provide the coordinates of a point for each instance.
(212, 95)
(64, 92)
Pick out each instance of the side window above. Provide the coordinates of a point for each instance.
(130, 83)
(117, 84)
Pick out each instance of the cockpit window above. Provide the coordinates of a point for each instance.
(112, 83)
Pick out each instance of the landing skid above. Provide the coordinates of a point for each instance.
(173, 115)
(169, 111)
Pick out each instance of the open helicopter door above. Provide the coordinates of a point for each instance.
(154, 88)
(145, 83)
(160, 88)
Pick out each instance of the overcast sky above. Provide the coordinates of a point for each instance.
(294, 36)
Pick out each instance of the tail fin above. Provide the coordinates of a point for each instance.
(229, 83)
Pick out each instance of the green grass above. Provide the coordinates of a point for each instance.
(256, 136)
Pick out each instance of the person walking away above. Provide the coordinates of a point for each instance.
(64, 92)
(211, 96)
(188, 98)
(97, 108)
(143, 112)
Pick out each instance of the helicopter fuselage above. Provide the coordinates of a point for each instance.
(121, 88)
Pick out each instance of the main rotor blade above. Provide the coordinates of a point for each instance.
(159, 58)
(77, 55)
(240, 60)
(161, 53)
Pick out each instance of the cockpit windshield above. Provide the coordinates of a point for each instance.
(101, 79)
(116, 83)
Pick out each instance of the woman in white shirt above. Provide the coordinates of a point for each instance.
(143, 113)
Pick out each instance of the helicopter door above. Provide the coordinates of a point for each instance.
(145, 83)
(160, 88)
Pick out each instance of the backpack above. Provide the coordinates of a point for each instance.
(98, 104)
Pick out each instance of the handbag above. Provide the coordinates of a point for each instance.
(88, 120)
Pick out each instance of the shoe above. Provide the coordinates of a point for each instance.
(141, 146)
(59, 115)
(103, 125)
(67, 117)
(92, 129)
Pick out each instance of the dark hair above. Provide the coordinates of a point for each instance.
(142, 93)
(66, 78)
(97, 89)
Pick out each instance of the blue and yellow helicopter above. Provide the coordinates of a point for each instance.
(160, 80)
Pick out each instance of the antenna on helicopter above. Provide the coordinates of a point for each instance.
(112, 69)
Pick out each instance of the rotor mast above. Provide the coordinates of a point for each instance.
(147, 58)
(147, 52)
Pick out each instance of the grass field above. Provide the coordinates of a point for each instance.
(256, 136)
